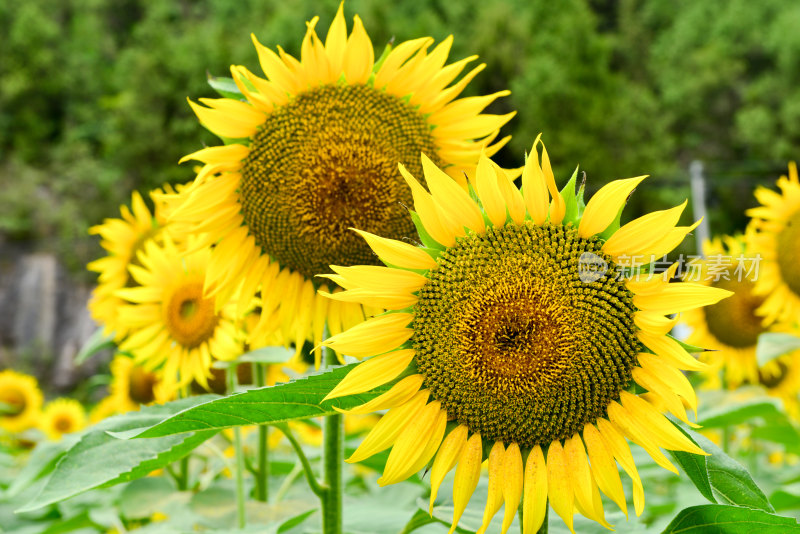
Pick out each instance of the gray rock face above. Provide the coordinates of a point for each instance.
(43, 318)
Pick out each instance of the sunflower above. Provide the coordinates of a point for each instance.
(775, 233)
(731, 327)
(781, 378)
(21, 399)
(123, 239)
(313, 150)
(173, 328)
(517, 332)
(133, 386)
(62, 416)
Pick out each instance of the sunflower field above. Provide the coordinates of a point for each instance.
(382, 269)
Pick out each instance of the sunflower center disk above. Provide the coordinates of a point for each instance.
(789, 252)
(15, 400)
(327, 162)
(63, 424)
(776, 374)
(190, 317)
(514, 344)
(140, 386)
(733, 320)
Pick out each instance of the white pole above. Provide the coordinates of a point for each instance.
(698, 184)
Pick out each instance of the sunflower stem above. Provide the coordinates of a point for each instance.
(332, 460)
(262, 478)
(182, 479)
(239, 454)
(311, 478)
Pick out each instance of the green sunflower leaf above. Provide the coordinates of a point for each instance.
(98, 459)
(226, 87)
(772, 345)
(719, 478)
(298, 399)
(725, 519)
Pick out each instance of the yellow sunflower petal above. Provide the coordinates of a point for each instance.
(605, 205)
(616, 445)
(385, 432)
(604, 469)
(398, 253)
(641, 233)
(401, 392)
(494, 499)
(406, 449)
(671, 351)
(489, 192)
(534, 187)
(559, 485)
(534, 500)
(426, 209)
(359, 56)
(449, 196)
(446, 459)
(468, 473)
(513, 474)
(374, 336)
(372, 373)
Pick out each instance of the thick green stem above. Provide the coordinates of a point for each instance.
(183, 475)
(239, 455)
(332, 460)
(262, 478)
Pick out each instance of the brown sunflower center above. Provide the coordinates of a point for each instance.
(512, 341)
(14, 400)
(326, 162)
(771, 376)
(190, 317)
(141, 384)
(733, 321)
(63, 423)
(788, 256)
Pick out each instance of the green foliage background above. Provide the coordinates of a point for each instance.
(92, 93)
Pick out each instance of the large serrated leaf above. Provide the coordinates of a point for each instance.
(299, 399)
(100, 459)
(725, 519)
(718, 477)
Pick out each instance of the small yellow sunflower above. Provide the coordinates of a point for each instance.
(173, 328)
(781, 378)
(775, 235)
(133, 386)
(123, 239)
(22, 400)
(62, 416)
(517, 331)
(313, 150)
(731, 327)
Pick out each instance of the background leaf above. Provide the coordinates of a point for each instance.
(774, 344)
(719, 477)
(100, 459)
(725, 519)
